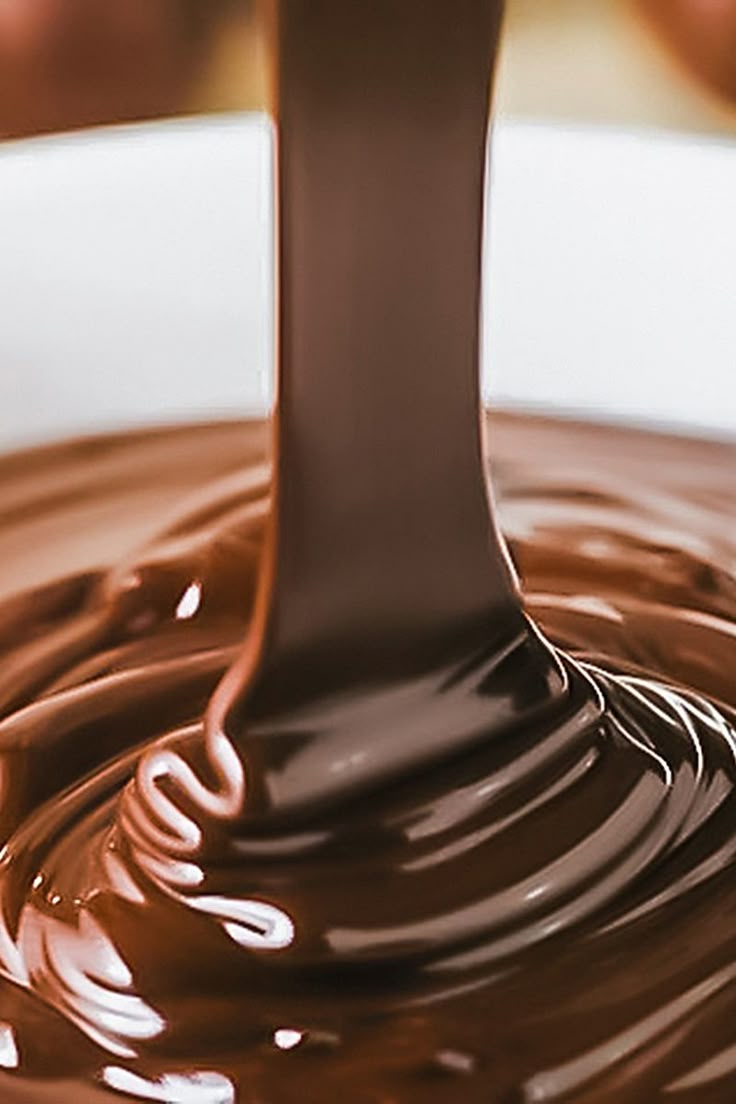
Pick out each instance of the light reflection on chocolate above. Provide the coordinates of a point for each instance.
(413, 834)
(558, 994)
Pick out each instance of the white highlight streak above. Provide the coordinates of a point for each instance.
(190, 601)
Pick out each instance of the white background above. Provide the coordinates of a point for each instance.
(135, 286)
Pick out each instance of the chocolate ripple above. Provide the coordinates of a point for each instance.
(538, 908)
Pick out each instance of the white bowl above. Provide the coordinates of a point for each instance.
(135, 276)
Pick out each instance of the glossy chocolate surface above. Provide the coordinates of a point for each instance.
(414, 840)
(545, 913)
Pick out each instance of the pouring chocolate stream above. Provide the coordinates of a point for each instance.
(408, 839)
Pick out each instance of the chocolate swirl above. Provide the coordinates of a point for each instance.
(579, 849)
(404, 838)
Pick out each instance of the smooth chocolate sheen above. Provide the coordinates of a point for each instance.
(415, 841)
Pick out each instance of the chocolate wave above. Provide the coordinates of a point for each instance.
(538, 906)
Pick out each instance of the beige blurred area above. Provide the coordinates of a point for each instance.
(75, 63)
(600, 61)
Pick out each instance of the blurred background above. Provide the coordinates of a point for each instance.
(72, 63)
(135, 260)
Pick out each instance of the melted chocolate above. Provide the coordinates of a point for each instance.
(593, 852)
(401, 846)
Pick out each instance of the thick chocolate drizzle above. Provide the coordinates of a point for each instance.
(399, 846)
(543, 913)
